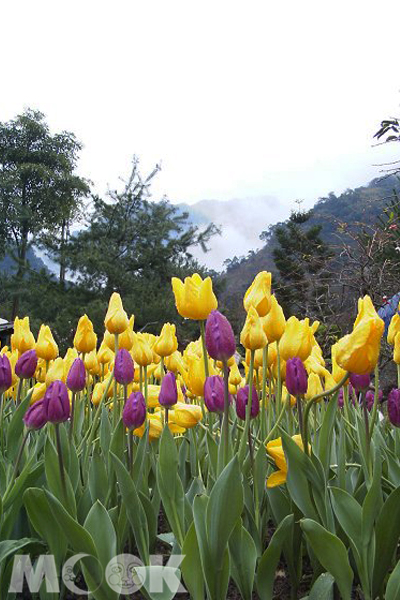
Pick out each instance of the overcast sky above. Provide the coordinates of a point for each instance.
(236, 99)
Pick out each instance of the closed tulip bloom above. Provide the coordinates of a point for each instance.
(214, 394)
(358, 352)
(124, 369)
(360, 382)
(85, 339)
(393, 407)
(314, 387)
(167, 343)
(252, 336)
(168, 392)
(235, 376)
(196, 376)
(35, 417)
(98, 392)
(56, 403)
(26, 365)
(370, 398)
(76, 378)
(125, 340)
(56, 371)
(186, 415)
(141, 350)
(38, 391)
(134, 412)
(91, 363)
(22, 339)
(274, 322)
(116, 319)
(241, 402)
(5, 373)
(46, 346)
(297, 339)
(105, 355)
(220, 339)
(396, 351)
(296, 377)
(174, 362)
(394, 328)
(258, 294)
(194, 298)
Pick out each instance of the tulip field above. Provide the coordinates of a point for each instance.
(135, 467)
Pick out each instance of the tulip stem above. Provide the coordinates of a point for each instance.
(277, 423)
(278, 394)
(376, 401)
(71, 425)
(19, 390)
(264, 391)
(166, 414)
(161, 369)
(243, 441)
(130, 451)
(203, 343)
(20, 453)
(225, 423)
(145, 384)
(366, 421)
(60, 460)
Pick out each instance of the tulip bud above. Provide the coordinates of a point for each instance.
(35, 417)
(26, 365)
(169, 392)
(393, 407)
(220, 339)
(296, 377)
(242, 400)
(214, 394)
(124, 370)
(360, 382)
(76, 378)
(370, 397)
(56, 402)
(134, 412)
(5, 373)
(116, 319)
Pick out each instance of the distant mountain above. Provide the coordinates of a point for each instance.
(361, 205)
(8, 264)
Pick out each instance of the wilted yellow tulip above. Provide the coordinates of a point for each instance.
(394, 328)
(358, 352)
(314, 386)
(396, 351)
(167, 343)
(275, 449)
(274, 322)
(116, 319)
(297, 339)
(252, 336)
(194, 298)
(186, 415)
(155, 427)
(46, 347)
(258, 294)
(22, 339)
(141, 351)
(56, 371)
(85, 339)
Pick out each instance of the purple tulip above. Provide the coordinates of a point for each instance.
(5, 373)
(169, 392)
(220, 339)
(370, 396)
(124, 369)
(26, 365)
(360, 382)
(56, 402)
(76, 378)
(241, 403)
(134, 412)
(214, 395)
(393, 407)
(296, 377)
(35, 416)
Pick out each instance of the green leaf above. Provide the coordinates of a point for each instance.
(15, 429)
(349, 514)
(243, 556)
(98, 479)
(53, 477)
(322, 588)
(270, 559)
(99, 525)
(192, 577)
(393, 585)
(134, 509)
(331, 553)
(325, 434)
(387, 532)
(298, 478)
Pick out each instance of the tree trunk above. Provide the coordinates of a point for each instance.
(62, 251)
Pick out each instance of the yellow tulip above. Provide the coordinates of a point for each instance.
(235, 376)
(396, 351)
(105, 355)
(141, 351)
(116, 319)
(186, 415)
(275, 449)
(285, 394)
(174, 362)
(98, 392)
(337, 372)
(85, 339)
(314, 386)
(153, 391)
(274, 322)
(297, 339)
(155, 427)
(56, 371)
(174, 428)
(167, 342)
(40, 373)
(13, 357)
(39, 390)
(70, 355)
(258, 294)
(125, 340)
(196, 377)
(91, 363)
(194, 298)
(258, 358)
(46, 347)
(358, 352)
(394, 328)
(22, 339)
(252, 336)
